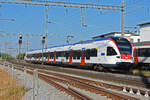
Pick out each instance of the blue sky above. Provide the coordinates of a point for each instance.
(31, 19)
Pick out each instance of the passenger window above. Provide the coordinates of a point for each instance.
(148, 50)
(88, 54)
(111, 51)
(93, 52)
(142, 52)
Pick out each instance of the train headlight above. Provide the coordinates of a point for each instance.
(118, 57)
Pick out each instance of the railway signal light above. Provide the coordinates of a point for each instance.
(20, 43)
(20, 39)
(43, 42)
(43, 39)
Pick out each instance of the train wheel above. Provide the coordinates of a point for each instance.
(94, 67)
(98, 68)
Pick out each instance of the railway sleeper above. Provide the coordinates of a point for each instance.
(75, 84)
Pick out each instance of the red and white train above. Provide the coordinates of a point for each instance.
(141, 53)
(111, 52)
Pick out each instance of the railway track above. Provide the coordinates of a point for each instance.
(74, 93)
(88, 85)
(73, 82)
(144, 83)
(77, 95)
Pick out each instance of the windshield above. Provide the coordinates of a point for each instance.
(123, 45)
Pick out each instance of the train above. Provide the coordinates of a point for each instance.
(109, 52)
(141, 53)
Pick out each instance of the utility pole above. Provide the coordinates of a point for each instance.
(47, 11)
(43, 42)
(82, 12)
(28, 43)
(20, 43)
(122, 17)
(6, 45)
(70, 4)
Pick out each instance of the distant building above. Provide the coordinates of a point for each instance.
(144, 31)
(131, 36)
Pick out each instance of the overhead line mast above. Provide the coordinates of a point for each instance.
(122, 17)
(75, 5)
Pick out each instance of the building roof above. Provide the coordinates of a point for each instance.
(103, 35)
(146, 23)
(108, 34)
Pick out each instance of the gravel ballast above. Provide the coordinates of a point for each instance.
(45, 91)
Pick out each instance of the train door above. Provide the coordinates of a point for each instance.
(83, 54)
(48, 57)
(110, 56)
(70, 57)
(35, 58)
(136, 56)
(54, 60)
(39, 56)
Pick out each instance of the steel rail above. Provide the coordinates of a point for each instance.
(77, 95)
(135, 90)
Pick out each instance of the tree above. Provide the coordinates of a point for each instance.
(5, 56)
(21, 56)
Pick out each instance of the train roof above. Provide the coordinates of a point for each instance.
(69, 45)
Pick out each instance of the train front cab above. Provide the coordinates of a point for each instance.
(124, 58)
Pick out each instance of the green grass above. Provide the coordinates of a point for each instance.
(9, 87)
(140, 72)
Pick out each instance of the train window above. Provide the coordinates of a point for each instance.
(51, 55)
(78, 54)
(32, 55)
(93, 52)
(62, 54)
(67, 54)
(45, 54)
(148, 52)
(111, 51)
(57, 55)
(88, 54)
(35, 55)
(139, 52)
(142, 52)
(74, 54)
(40, 55)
